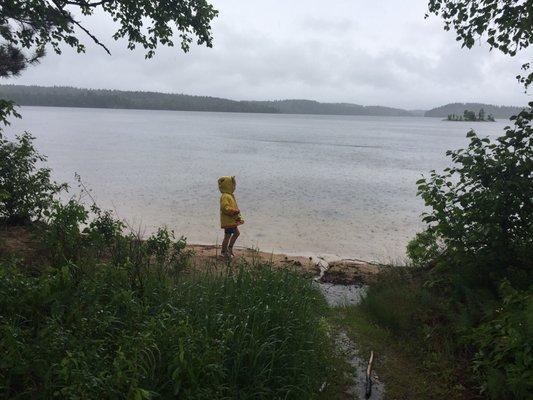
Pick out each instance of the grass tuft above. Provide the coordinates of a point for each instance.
(89, 332)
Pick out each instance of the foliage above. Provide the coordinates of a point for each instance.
(479, 231)
(482, 208)
(424, 249)
(503, 112)
(103, 228)
(504, 358)
(13, 61)
(413, 307)
(508, 24)
(62, 235)
(168, 253)
(33, 24)
(26, 189)
(248, 334)
(400, 303)
(73, 234)
(471, 116)
(7, 108)
(99, 98)
(409, 369)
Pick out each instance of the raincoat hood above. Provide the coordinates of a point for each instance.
(226, 184)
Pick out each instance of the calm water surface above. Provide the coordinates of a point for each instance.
(341, 185)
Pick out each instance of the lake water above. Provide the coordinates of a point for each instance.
(341, 185)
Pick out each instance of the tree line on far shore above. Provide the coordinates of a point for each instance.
(502, 112)
(472, 116)
(60, 96)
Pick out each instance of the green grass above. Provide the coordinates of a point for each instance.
(413, 331)
(103, 332)
(406, 372)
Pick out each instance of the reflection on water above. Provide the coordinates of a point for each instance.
(340, 185)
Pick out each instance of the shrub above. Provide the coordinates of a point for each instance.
(481, 210)
(424, 249)
(26, 190)
(103, 228)
(503, 362)
(170, 254)
(479, 232)
(71, 236)
(63, 237)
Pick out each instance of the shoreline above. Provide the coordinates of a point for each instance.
(330, 257)
(323, 269)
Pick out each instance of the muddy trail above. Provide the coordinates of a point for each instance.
(344, 283)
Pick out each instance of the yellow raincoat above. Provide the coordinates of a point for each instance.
(230, 216)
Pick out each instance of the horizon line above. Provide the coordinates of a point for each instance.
(250, 101)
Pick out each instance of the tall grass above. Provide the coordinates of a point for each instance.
(90, 333)
(413, 306)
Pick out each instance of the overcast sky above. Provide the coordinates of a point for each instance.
(367, 52)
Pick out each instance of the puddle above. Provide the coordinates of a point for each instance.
(358, 388)
(346, 295)
(336, 295)
(341, 295)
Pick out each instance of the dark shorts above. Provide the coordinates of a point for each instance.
(230, 231)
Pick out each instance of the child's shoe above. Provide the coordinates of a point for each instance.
(225, 256)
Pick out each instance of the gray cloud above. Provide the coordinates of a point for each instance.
(384, 53)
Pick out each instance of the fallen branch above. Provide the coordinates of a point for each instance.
(368, 383)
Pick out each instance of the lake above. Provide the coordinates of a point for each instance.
(306, 184)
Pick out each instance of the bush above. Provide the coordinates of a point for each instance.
(248, 334)
(26, 190)
(503, 362)
(70, 236)
(424, 249)
(479, 232)
(104, 228)
(63, 238)
(170, 255)
(481, 210)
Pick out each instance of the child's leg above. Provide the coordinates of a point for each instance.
(225, 243)
(233, 240)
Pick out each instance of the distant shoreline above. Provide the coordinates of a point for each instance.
(463, 120)
(223, 112)
(64, 96)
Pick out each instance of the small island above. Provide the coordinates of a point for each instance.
(471, 116)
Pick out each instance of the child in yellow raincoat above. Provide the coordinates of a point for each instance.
(230, 215)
